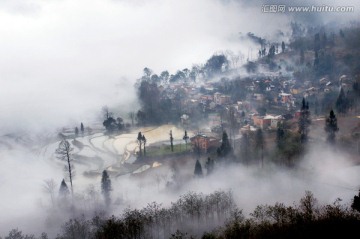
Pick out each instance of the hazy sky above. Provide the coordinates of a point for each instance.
(62, 60)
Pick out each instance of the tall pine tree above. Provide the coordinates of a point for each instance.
(342, 102)
(209, 166)
(331, 127)
(139, 139)
(225, 148)
(185, 138)
(144, 143)
(106, 187)
(304, 121)
(82, 128)
(245, 148)
(64, 152)
(64, 190)
(356, 202)
(280, 137)
(260, 145)
(198, 169)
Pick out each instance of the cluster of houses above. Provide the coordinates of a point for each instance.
(281, 92)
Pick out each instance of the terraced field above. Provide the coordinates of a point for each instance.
(117, 154)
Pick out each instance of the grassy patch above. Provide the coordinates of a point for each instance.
(153, 151)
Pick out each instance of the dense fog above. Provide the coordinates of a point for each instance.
(61, 61)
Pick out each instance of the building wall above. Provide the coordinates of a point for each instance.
(204, 142)
(274, 123)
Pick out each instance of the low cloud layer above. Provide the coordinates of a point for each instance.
(328, 174)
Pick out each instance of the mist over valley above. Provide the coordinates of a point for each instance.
(178, 119)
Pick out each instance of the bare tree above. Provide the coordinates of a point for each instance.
(49, 187)
(106, 112)
(171, 141)
(64, 153)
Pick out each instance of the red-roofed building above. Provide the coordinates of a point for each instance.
(204, 142)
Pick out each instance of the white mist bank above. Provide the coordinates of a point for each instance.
(22, 176)
(328, 174)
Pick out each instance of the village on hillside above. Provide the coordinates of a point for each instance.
(187, 118)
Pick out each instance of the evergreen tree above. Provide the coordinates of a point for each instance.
(120, 123)
(341, 33)
(198, 169)
(106, 187)
(260, 144)
(317, 43)
(331, 127)
(82, 128)
(271, 53)
(342, 102)
(185, 138)
(231, 117)
(356, 94)
(242, 114)
(356, 202)
(106, 112)
(324, 40)
(64, 153)
(141, 117)
(139, 139)
(144, 143)
(197, 147)
(76, 131)
(132, 117)
(110, 124)
(245, 150)
(64, 190)
(209, 166)
(316, 60)
(280, 137)
(283, 47)
(225, 148)
(304, 121)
